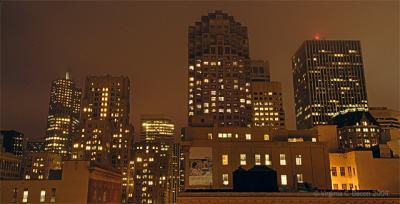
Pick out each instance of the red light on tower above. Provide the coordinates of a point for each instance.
(316, 37)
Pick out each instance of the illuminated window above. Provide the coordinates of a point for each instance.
(242, 159)
(282, 159)
(335, 186)
(210, 136)
(248, 136)
(25, 196)
(267, 159)
(266, 137)
(53, 195)
(42, 196)
(334, 172)
(225, 179)
(283, 180)
(299, 178)
(225, 159)
(257, 159)
(344, 186)
(342, 171)
(314, 139)
(298, 160)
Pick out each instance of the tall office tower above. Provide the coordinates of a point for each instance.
(12, 142)
(219, 91)
(328, 78)
(154, 161)
(63, 117)
(156, 127)
(267, 97)
(105, 132)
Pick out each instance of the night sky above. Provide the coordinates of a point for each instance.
(147, 41)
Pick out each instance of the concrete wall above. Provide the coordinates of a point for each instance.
(315, 161)
(370, 173)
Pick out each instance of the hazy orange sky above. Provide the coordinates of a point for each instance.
(147, 41)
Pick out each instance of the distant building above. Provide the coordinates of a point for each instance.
(219, 90)
(37, 165)
(267, 97)
(259, 71)
(13, 142)
(154, 161)
(357, 130)
(35, 146)
(389, 121)
(79, 182)
(386, 118)
(211, 155)
(359, 170)
(10, 164)
(105, 134)
(156, 127)
(63, 116)
(328, 77)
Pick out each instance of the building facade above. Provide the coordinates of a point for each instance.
(156, 127)
(357, 130)
(154, 161)
(219, 91)
(105, 134)
(81, 182)
(10, 166)
(266, 97)
(63, 116)
(357, 170)
(389, 121)
(37, 165)
(35, 146)
(13, 142)
(328, 77)
(211, 155)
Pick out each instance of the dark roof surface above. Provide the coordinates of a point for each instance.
(351, 118)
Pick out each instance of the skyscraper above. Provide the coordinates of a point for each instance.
(266, 97)
(63, 117)
(154, 161)
(105, 132)
(219, 76)
(328, 77)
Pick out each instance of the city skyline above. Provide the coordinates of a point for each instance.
(166, 78)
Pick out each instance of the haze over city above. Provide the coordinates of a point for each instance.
(147, 42)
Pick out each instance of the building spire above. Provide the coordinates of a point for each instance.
(68, 74)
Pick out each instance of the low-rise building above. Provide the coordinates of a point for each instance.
(78, 182)
(10, 166)
(389, 120)
(211, 155)
(359, 170)
(357, 130)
